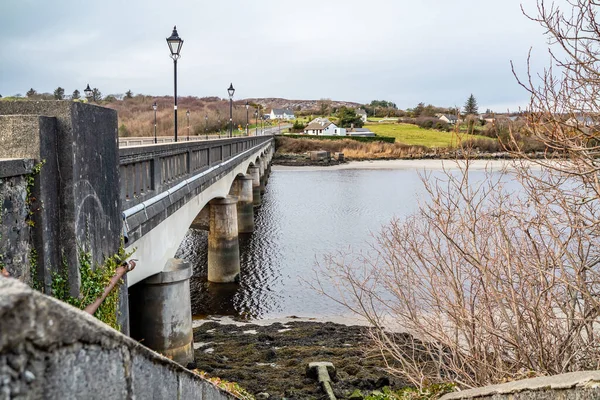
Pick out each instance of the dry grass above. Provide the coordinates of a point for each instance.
(136, 117)
(351, 148)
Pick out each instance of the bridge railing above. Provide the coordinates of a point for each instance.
(148, 170)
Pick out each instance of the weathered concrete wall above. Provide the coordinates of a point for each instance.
(35, 137)
(84, 148)
(572, 386)
(15, 244)
(50, 350)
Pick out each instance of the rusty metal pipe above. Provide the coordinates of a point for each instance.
(119, 273)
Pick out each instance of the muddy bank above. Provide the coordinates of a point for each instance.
(273, 359)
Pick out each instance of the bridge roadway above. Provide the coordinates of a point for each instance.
(164, 188)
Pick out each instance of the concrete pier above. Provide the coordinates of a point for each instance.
(161, 312)
(242, 189)
(255, 173)
(223, 245)
(263, 177)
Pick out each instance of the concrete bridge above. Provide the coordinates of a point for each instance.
(214, 184)
(70, 189)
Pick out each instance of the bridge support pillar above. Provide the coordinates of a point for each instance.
(263, 176)
(255, 173)
(161, 312)
(223, 245)
(242, 189)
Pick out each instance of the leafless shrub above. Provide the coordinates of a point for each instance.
(498, 284)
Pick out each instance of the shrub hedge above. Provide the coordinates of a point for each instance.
(363, 139)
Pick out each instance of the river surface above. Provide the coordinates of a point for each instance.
(306, 214)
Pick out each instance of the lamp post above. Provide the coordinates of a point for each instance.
(175, 43)
(247, 106)
(256, 119)
(187, 114)
(155, 107)
(231, 91)
(219, 125)
(206, 126)
(89, 93)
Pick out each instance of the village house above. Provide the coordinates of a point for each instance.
(278, 113)
(323, 126)
(582, 121)
(362, 114)
(449, 118)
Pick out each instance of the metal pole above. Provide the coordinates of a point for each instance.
(256, 134)
(175, 107)
(155, 141)
(246, 121)
(230, 117)
(188, 130)
(206, 126)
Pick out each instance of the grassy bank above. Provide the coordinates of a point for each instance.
(413, 135)
(352, 149)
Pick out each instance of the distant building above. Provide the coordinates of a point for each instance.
(323, 126)
(582, 121)
(362, 114)
(360, 132)
(449, 118)
(278, 113)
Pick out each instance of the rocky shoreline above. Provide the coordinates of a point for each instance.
(270, 361)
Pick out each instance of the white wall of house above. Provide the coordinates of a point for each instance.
(285, 116)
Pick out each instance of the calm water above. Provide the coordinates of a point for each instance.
(305, 215)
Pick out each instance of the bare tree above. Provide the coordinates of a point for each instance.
(493, 284)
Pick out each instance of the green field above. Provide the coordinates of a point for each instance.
(413, 135)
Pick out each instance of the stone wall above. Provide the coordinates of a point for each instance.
(77, 203)
(50, 350)
(78, 143)
(572, 386)
(15, 245)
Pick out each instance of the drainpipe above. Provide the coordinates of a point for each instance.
(119, 273)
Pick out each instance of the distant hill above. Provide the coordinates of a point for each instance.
(299, 105)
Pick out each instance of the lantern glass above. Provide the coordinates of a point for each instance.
(154, 106)
(231, 90)
(175, 43)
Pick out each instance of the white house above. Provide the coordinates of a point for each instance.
(323, 126)
(362, 114)
(278, 113)
(449, 118)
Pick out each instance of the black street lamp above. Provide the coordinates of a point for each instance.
(231, 91)
(175, 43)
(219, 125)
(155, 107)
(89, 93)
(187, 114)
(206, 126)
(247, 106)
(256, 119)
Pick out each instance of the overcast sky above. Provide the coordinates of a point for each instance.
(432, 51)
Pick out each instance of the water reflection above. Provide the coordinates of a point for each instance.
(305, 215)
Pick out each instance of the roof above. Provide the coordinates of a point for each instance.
(361, 130)
(450, 117)
(281, 111)
(313, 126)
(360, 111)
